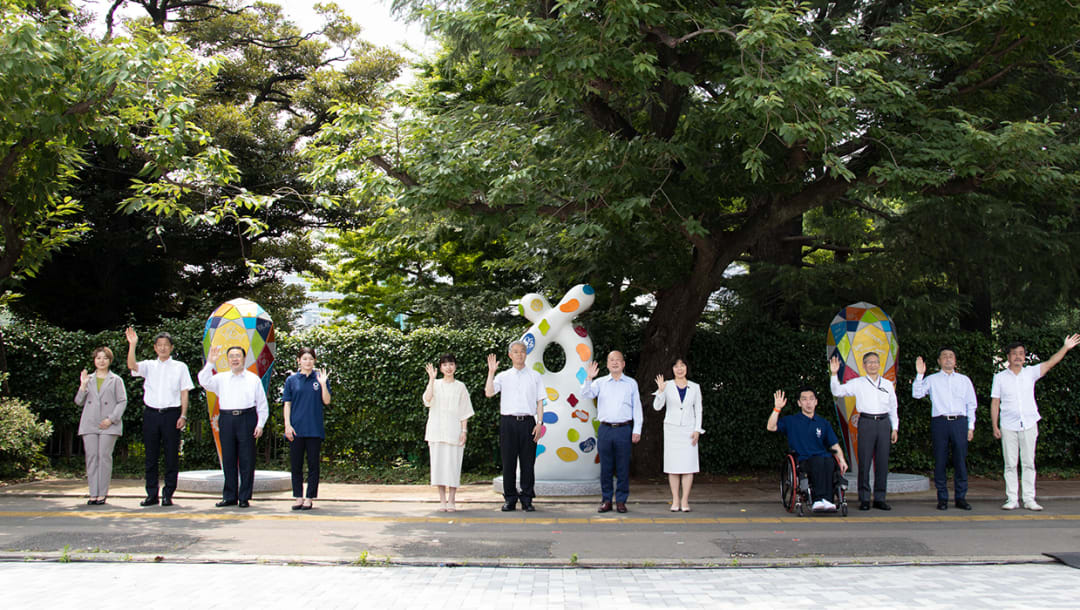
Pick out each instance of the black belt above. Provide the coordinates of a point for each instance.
(521, 417)
(162, 410)
(616, 424)
(950, 417)
(235, 412)
(874, 416)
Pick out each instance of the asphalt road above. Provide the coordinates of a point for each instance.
(405, 531)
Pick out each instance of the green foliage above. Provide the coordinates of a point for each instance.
(375, 424)
(22, 438)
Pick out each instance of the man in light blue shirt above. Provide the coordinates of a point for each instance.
(618, 408)
(952, 423)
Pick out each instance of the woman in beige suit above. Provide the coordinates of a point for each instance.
(682, 427)
(103, 398)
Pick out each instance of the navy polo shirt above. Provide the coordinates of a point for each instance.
(807, 436)
(306, 411)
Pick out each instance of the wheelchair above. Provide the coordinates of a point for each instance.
(795, 486)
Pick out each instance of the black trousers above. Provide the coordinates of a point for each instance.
(238, 453)
(158, 430)
(819, 471)
(874, 443)
(299, 446)
(517, 446)
(945, 432)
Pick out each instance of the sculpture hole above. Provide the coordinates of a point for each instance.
(554, 357)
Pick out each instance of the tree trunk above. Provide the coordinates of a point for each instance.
(774, 249)
(979, 317)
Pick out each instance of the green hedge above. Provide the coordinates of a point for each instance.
(377, 377)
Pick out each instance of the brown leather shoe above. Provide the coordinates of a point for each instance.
(605, 507)
(620, 507)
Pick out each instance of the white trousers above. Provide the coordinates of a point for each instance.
(1019, 444)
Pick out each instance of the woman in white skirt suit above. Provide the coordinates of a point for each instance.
(682, 427)
(449, 409)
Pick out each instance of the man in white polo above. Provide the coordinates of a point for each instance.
(1012, 397)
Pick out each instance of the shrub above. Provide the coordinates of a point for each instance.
(22, 438)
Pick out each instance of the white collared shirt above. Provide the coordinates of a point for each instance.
(617, 400)
(1018, 408)
(165, 380)
(871, 397)
(518, 391)
(236, 392)
(950, 394)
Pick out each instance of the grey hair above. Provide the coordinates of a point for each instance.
(517, 342)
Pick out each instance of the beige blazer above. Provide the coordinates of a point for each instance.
(680, 412)
(109, 402)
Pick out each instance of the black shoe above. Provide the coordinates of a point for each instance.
(100, 502)
(166, 501)
(864, 506)
(882, 505)
(244, 504)
(605, 507)
(963, 505)
(528, 507)
(509, 506)
(225, 503)
(149, 502)
(943, 504)
(620, 507)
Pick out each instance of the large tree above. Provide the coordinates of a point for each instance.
(669, 139)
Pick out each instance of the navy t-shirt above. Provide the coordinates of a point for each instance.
(306, 411)
(807, 436)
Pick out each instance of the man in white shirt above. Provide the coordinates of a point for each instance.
(1012, 396)
(242, 414)
(877, 422)
(165, 395)
(952, 423)
(521, 410)
(618, 408)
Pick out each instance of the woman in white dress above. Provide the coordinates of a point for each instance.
(682, 427)
(449, 409)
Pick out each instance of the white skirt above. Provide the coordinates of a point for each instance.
(680, 457)
(446, 464)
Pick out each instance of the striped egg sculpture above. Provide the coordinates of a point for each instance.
(246, 324)
(566, 450)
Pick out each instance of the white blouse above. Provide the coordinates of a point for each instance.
(449, 406)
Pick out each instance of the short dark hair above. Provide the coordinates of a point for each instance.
(682, 359)
(804, 388)
(306, 350)
(447, 358)
(1015, 344)
(242, 350)
(104, 350)
(868, 354)
(164, 335)
(945, 348)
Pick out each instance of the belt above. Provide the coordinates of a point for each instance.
(950, 417)
(874, 416)
(235, 412)
(520, 417)
(164, 409)
(616, 424)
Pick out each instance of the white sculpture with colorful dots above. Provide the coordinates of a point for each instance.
(566, 450)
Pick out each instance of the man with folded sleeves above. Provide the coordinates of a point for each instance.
(952, 423)
(618, 408)
(521, 414)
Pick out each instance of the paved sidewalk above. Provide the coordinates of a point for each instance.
(480, 494)
(186, 586)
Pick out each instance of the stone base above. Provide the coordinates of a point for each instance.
(899, 483)
(211, 481)
(544, 489)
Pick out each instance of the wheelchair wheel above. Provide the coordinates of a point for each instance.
(788, 484)
(843, 509)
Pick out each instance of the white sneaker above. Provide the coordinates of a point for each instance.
(828, 505)
(1032, 505)
(1010, 506)
(819, 505)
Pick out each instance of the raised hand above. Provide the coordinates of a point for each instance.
(83, 378)
(215, 353)
(834, 365)
(132, 337)
(591, 370)
(660, 383)
(493, 363)
(920, 366)
(1072, 341)
(323, 375)
(430, 369)
(779, 400)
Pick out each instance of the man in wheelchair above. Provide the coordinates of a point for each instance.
(811, 438)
